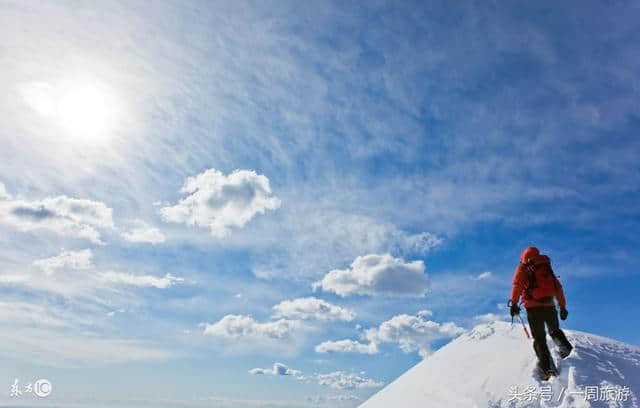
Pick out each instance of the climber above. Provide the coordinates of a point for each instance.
(536, 283)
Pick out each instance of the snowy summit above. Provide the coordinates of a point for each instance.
(493, 365)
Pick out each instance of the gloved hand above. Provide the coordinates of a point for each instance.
(564, 313)
(515, 310)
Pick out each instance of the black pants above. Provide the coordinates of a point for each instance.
(539, 317)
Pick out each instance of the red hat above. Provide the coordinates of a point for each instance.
(529, 252)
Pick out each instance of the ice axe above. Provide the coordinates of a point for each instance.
(524, 327)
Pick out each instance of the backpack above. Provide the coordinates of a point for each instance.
(543, 284)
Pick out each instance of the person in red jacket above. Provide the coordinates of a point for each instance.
(537, 285)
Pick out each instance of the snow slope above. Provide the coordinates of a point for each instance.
(483, 367)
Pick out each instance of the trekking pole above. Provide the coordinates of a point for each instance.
(524, 327)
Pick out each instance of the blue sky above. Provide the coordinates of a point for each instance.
(287, 204)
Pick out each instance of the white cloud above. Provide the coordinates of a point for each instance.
(490, 317)
(66, 259)
(278, 369)
(483, 276)
(122, 278)
(342, 380)
(233, 327)
(144, 233)
(333, 399)
(337, 379)
(3, 192)
(28, 314)
(63, 215)
(71, 348)
(311, 308)
(18, 278)
(420, 243)
(326, 236)
(58, 334)
(377, 275)
(221, 202)
(81, 278)
(412, 333)
(347, 346)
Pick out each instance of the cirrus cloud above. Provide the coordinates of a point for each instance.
(81, 278)
(66, 259)
(222, 202)
(123, 278)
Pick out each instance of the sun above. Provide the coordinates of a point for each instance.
(83, 111)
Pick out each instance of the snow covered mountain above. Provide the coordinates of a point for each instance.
(494, 365)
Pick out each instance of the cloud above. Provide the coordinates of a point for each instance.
(278, 369)
(221, 202)
(63, 215)
(326, 235)
(3, 192)
(333, 399)
(311, 308)
(337, 379)
(285, 331)
(144, 233)
(28, 314)
(8, 279)
(411, 333)
(69, 348)
(67, 334)
(234, 327)
(420, 243)
(490, 317)
(81, 278)
(66, 259)
(342, 380)
(483, 276)
(122, 278)
(377, 275)
(347, 346)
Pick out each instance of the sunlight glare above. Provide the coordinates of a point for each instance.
(83, 111)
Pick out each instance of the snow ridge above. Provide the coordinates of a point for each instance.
(493, 365)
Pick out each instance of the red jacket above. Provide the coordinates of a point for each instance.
(521, 282)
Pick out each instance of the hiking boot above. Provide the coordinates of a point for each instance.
(564, 347)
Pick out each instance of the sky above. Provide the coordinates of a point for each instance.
(289, 204)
